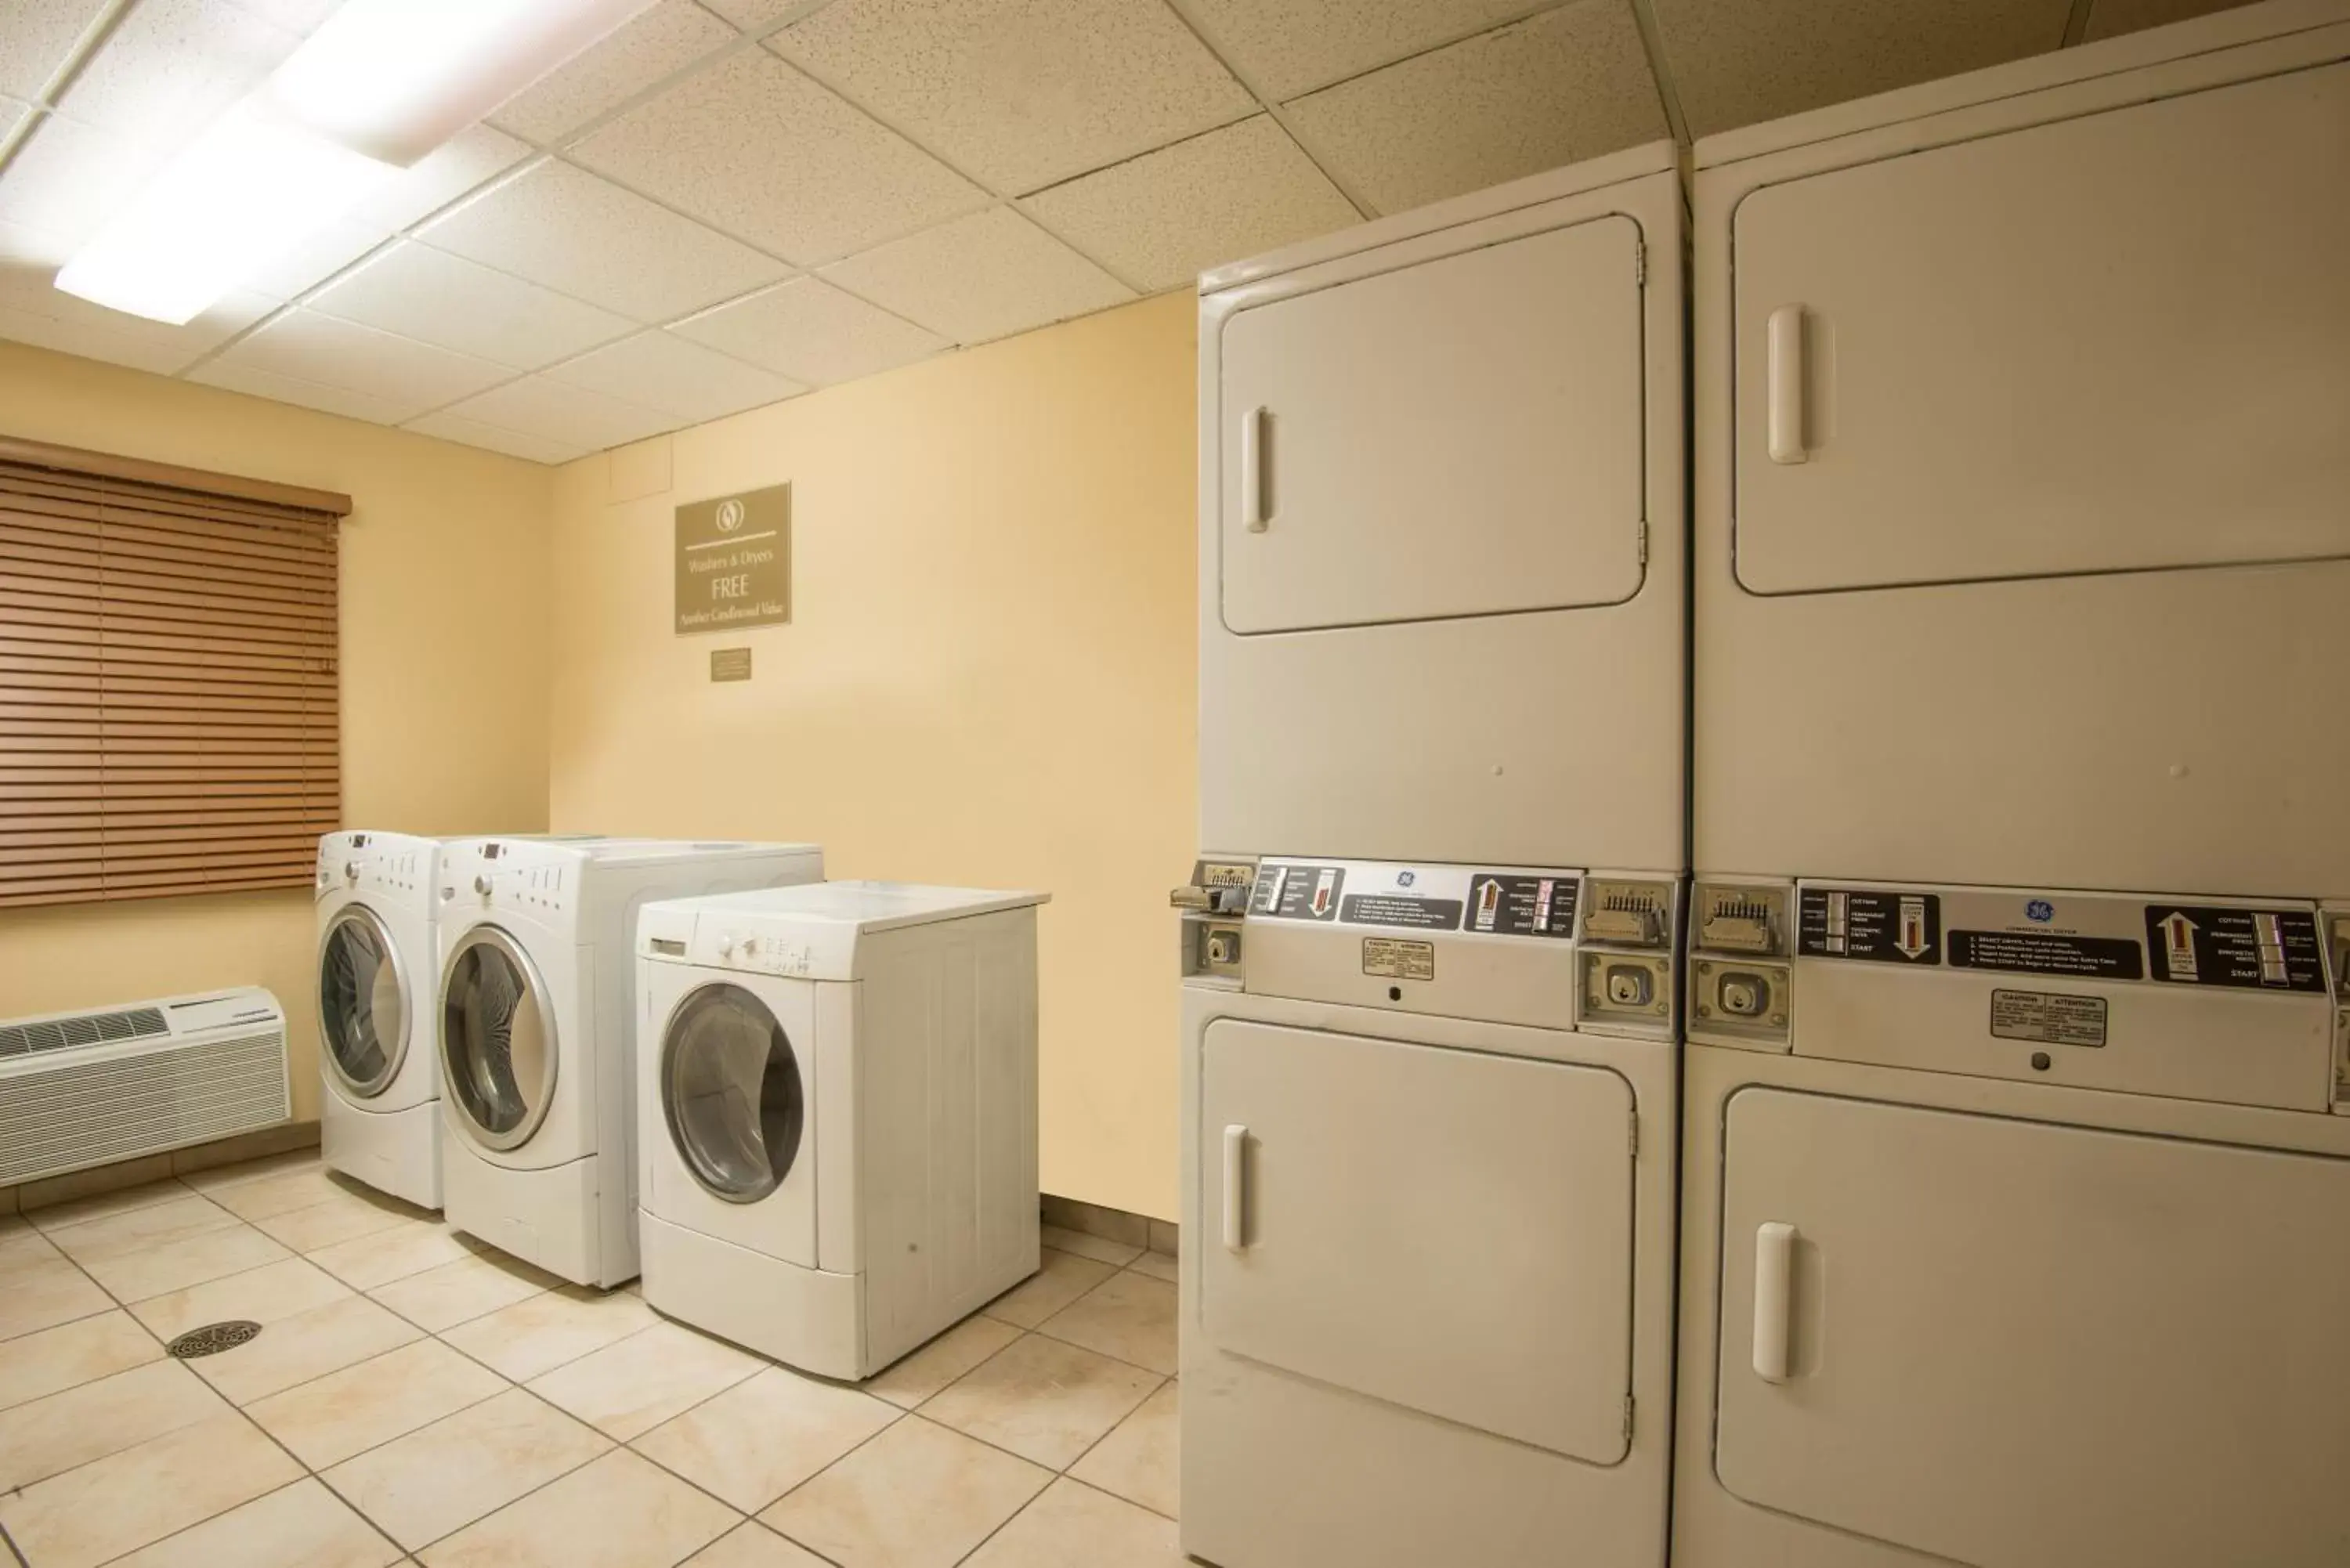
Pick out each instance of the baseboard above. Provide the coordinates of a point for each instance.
(283, 1139)
(1110, 1224)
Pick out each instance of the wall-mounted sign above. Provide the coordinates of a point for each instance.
(730, 664)
(734, 561)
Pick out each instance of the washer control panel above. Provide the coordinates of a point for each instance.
(1546, 946)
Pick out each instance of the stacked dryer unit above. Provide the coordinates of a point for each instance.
(537, 993)
(1428, 1052)
(2016, 1226)
(379, 1116)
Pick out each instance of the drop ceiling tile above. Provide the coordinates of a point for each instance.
(753, 14)
(301, 16)
(407, 377)
(317, 258)
(985, 276)
(2112, 18)
(668, 373)
(1022, 93)
(564, 227)
(1162, 219)
(458, 165)
(641, 51)
(1291, 47)
(237, 378)
(451, 303)
(513, 443)
(1556, 88)
(567, 415)
(1737, 63)
(68, 177)
(174, 66)
(36, 37)
(813, 332)
(756, 149)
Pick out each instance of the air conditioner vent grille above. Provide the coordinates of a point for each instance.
(86, 1029)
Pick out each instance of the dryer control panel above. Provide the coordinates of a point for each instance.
(2234, 1000)
(1546, 946)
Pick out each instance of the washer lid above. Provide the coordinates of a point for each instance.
(731, 1092)
(363, 1002)
(499, 1055)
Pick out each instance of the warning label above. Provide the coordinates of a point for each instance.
(2047, 952)
(2048, 1017)
(1867, 923)
(2262, 950)
(1395, 910)
(1506, 904)
(1394, 957)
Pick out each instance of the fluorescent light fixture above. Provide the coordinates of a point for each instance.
(249, 189)
(396, 78)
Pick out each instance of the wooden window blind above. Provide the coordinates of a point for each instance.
(169, 704)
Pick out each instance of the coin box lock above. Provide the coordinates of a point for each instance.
(1628, 989)
(1219, 947)
(1739, 1004)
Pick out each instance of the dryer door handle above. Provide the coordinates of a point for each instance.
(1236, 1187)
(1788, 440)
(1775, 1283)
(1254, 511)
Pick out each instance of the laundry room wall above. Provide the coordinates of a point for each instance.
(444, 662)
(988, 678)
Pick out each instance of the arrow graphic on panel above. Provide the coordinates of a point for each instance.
(2178, 940)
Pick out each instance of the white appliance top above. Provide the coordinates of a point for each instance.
(811, 931)
(598, 851)
(865, 906)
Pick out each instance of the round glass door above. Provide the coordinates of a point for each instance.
(497, 1039)
(362, 1001)
(731, 1090)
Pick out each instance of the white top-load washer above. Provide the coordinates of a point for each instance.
(837, 1103)
(536, 991)
(2016, 1228)
(379, 1036)
(1428, 1062)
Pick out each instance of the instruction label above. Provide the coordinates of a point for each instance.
(1297, 892)
(1398, 958)
(2048, 1017)
(2047, 952)
(2260, 949)
(1873, 924)
(1397, 909)
(1510, 904)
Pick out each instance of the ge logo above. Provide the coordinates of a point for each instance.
(1404, 879)
(2041, 910)
(730, 516)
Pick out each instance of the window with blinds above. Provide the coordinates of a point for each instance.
(169, 718)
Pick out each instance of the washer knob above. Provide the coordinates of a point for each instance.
(726, 947)
(350, 870)
(481, 886)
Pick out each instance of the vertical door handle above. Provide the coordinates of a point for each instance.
(1235, 1190)
(1786, 369)
(1253, 507)
(1775, 1283)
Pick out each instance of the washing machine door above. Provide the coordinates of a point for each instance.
(732, 1093)
(498, 1050)
(363, 1002)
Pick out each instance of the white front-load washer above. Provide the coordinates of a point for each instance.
(836, 1104)
(536, 998)
(1429, 1059)
(2016, 1202)
(379, 1120)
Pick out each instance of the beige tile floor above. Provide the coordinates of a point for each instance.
(415, 1397)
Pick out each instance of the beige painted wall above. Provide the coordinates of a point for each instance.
(988, 679)
(444, 637)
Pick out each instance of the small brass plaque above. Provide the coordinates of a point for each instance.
(730, 664)
(734, 561)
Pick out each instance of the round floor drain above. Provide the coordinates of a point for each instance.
(213, 1338)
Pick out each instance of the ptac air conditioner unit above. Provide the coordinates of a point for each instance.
(79, 1089)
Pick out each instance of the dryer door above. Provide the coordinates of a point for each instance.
(2030, 1345)
(499, 1055)
(363, 1002)
(1459, 436)
(2115, 343)
(1444, 1230)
